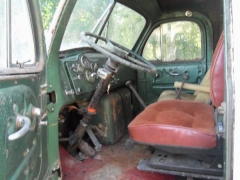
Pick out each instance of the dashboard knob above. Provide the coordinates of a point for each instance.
(91, 76)
(94, 75)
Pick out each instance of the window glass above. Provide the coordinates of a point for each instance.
(124, 26)
(48, 8)
(174, 41)
(3, 35)
(85, 16)
(22, 43)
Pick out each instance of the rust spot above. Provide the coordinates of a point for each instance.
(91, 110)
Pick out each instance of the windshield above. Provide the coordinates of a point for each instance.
(86, 16)
(123, 25)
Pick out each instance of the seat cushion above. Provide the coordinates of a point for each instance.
(176, 123)
(171, 95)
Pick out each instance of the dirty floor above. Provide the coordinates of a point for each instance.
(113, 162)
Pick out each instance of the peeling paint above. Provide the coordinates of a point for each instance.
(54, 124)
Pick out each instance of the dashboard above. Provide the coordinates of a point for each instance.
(81, 71)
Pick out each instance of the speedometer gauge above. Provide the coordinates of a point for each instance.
(85, 62)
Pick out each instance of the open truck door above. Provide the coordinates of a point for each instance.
(23, 97)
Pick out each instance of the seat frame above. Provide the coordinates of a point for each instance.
(186, 161)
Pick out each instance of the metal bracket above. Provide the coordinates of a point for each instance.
(21, 64)
(222, 108)
(92, 136)
(218, 115)
(41, 122)
(103, 73)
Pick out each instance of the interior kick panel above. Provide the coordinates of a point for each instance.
(81, 70)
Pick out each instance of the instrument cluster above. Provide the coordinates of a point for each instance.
(82, 68)
(85, 69)
(82, 71)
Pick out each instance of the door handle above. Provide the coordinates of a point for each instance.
(23, 122)
(174, 73)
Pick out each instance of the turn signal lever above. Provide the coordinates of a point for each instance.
(129, 84)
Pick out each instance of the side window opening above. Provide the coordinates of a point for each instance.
(3, 34)
(16, 39)
(22, 43)
(174, 41)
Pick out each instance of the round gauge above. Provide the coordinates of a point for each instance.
(95, 67)
(90, 76)
(85, 62)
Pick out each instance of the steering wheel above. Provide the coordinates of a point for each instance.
(119, 53)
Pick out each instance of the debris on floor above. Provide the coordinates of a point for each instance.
(113, 162)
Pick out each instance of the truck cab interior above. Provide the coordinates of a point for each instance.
(117, 87)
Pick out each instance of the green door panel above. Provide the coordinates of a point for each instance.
(23, 96)
(169, 74)
(150, 86)
(20, 158)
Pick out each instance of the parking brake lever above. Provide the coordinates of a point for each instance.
(185, 78)
(129, 84)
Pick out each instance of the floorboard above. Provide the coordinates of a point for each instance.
(113, 162)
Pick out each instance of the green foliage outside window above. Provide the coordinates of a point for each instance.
(174, 41)
(84, 18)
(124, 26)
(48, 8)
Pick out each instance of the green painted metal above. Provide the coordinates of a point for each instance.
(149, 89)
(113, 115)
(17, 98)
(55, 85)
(19, 93)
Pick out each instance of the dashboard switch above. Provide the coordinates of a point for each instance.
(69, 92)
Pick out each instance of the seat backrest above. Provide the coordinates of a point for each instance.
(214, 77)
(217, 74)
